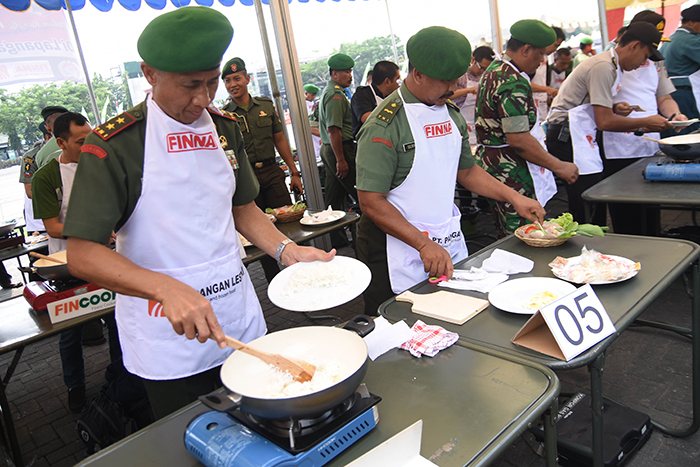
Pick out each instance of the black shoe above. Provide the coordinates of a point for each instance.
(76, 399)
(11, 285)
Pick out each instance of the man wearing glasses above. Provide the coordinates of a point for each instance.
(467, 85)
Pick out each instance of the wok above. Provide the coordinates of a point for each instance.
(246, 377)
(50, 270)
(7, 227)
(683, 147)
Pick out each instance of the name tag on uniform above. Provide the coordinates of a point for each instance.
(409, 146)
(231, 156)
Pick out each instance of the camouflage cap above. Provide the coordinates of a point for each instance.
(533, 32)
(439, 52)
(340, 62)
(192, 38)
(233, 66)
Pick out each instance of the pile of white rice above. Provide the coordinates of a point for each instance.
(282, 385)
(317, 277)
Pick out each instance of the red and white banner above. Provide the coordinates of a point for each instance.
(37, 45)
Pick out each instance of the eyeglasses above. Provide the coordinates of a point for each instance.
(479, 65)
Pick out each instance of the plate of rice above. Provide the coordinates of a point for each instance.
(319, 285)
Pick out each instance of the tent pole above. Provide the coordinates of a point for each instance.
(271, 73)
(496, 36)
(93, 101)
(391, 30)
(602, 14)
(291, 73)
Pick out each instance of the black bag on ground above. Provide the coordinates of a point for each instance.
(101, 423)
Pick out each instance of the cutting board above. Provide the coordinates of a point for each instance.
(443, 305)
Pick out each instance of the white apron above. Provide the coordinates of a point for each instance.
(316, 140)
(694, 78)
(583, 128)
(639, 87)
(467, 111)
(541, 97)
(377, 99)
(182, 226)
(542, 179)
(33, 225)
(426, 196)
(67, 177)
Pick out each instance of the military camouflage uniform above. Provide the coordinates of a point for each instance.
(504, 104)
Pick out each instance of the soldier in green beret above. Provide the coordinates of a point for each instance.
(262, 132)
(412, 150)
(310, 93)
(338, 144)
(166, 176)
(585, 51)
(510, 138)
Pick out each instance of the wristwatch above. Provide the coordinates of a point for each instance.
(280, 248)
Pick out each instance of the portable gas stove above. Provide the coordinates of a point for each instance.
(40, 294)
(219, 439)
(11, 239)
(668, 169)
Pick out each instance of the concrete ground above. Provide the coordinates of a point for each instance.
(646, 369)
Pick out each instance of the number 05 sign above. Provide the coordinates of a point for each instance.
(567, 327)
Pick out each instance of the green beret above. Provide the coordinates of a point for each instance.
(192, 38)
(311, 89)
(232, 66)
(340, 62)
(439, 52)
(586, 41)
(533, 32)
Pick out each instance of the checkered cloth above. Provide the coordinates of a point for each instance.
(428, 340)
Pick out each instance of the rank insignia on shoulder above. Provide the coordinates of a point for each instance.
(222, 113)
(114, 126)
(231, 156)
(337, 87)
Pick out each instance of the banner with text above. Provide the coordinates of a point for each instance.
(37, 45)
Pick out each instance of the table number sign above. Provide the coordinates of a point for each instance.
(567, 327)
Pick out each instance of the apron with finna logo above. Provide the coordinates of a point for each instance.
(694, 78)
(67, 177)
(426, 196)
(182, 227)
(638, 88)
(542, 179)
(583, 128)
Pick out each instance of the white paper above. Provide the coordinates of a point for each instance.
(507, 263)
(386, 336)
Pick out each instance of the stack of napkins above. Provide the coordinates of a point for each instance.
(493, 271)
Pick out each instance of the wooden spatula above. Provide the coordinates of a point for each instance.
(47, 258)
(300, 370)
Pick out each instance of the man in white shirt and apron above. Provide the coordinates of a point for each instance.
(585, 104)
(411, 151)
(509, 132)
(468, 85)
(541, 90)
(648, 87)
(167, 176)
(682, 55)
(310, 92)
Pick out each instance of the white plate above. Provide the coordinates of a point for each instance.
(631, 274)
(685, 123)
(511, 295)
(333, 216)
(320, 298)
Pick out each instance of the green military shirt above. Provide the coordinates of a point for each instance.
(47, 194)
(29, 166)
(386, 147)
(504, 104)
(334, 110)
(682, 55)
(258, 124)
(108, 179)
(49, 151)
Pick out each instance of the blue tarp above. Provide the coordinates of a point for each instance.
(132, 5)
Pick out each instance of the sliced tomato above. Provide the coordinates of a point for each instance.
(530, 228)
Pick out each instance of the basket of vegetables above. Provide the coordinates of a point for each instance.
(289, 213)
(556, 231)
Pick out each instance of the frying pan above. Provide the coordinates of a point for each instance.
(683, 147)
(50, 270)
(7, 228)
(246, 377)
